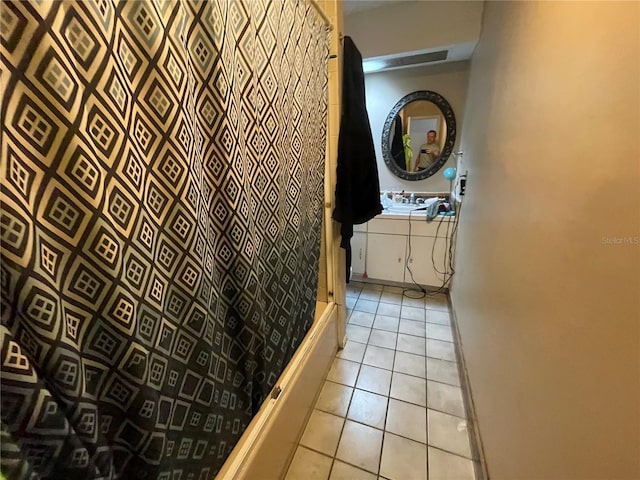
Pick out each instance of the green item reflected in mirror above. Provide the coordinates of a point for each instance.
(408, 154)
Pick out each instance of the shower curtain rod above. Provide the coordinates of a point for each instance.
(315, 5)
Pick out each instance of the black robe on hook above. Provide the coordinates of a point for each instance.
(397, 145)
(357, 183)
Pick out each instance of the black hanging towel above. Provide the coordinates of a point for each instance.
(357, 183)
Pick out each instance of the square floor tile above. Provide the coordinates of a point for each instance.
(373, 379)
(407, 420)
(360, 446)
(385, 322)
(442, 371)
(309, 465)
(410, 364)
(351, 302)
(382, 338)
(446, 466)
(445, 398)
(334, 398)
(344, 371)
(441, 350)
(412, 302)
(439, 332)
(377, 287)
(438, 316)
(353, 351)
(362, 319)
(353, 292)
(322, 432)
(368, 408)
(379, 357)
(358, 333)
(437, 302)
(449, 433)
(408, 388)
(411, 344)
(366, 306)
(342, 471)
(367, 294)
(394, 298)
(403, 459)
(412, 313)
(388, 309)
(412, 327)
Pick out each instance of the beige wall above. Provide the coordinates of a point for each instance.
(384, 89)
(549, 313)
(413, 26)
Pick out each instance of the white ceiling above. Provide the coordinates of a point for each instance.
(456, 51)
(351, 6)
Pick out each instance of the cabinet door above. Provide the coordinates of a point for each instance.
(422, 264)
(386, 256)
(358, 253)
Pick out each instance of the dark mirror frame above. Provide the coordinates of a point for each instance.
(450, 119)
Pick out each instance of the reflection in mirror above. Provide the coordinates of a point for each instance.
(418, 135)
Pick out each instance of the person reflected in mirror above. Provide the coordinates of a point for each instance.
(428, 151)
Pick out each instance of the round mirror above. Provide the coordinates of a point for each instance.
(418, 135)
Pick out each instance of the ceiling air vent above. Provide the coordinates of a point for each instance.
(417, 59)
(403, 62)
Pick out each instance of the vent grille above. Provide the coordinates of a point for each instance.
(377, 64)
(416, 59)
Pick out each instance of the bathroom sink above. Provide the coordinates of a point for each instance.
(404, 208)
(411, 208)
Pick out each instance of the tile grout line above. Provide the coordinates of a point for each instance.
(333, 459)
(355, 421)
(394, 398)
(392, 371)
(397, 400)
(335, 454)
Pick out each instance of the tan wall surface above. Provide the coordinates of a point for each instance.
(549, 312)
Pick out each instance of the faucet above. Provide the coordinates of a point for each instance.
(412, 198)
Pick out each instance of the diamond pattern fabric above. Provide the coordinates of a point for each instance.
(162, 168)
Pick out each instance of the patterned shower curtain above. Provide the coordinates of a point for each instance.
(162, 169)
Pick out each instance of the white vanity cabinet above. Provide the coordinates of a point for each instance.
(391, 246)
(424, 253)
(385, 256)
(358, 249)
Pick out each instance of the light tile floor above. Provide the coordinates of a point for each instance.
(391, 406)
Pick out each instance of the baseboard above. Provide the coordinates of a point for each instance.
(475, 440)
(359, 278)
